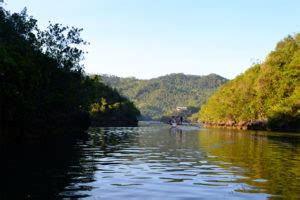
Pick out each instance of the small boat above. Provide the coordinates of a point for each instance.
(185, 126)
(179, 123)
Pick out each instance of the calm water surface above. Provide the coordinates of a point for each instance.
(156, 162)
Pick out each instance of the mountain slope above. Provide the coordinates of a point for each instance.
(267, 94)
(160, 96)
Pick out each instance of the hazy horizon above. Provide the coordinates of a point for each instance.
(147, 39)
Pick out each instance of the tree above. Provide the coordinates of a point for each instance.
(266, 92)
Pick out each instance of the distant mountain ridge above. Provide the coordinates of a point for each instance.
(158, 97)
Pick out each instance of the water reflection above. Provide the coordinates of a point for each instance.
(154, 162)
(159, 162)
(43, 171)
(268, 161)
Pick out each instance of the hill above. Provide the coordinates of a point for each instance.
(266, 96)
(161, 96)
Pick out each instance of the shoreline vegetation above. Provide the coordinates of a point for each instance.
(265, 97)
(44, 90)
(242, 125)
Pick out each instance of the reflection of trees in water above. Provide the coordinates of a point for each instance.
(178, 135)
(44, 171)
(165, 144)
(110, 140)
(261, 155)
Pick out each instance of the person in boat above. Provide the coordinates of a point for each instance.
(181, 119)
(177, 120)
(173, 121)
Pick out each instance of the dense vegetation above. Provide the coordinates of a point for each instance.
(107, 107)
(160, 96)
(266, 96)
(43, 86)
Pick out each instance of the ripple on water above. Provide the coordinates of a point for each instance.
(154, 163)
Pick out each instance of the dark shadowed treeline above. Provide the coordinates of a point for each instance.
(43, 86)
(266, 96)
(106, 106)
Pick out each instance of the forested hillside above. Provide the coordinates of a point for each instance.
(160, 96)
(266, 96)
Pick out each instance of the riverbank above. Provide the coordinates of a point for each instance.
(243, 125)
(263, 125)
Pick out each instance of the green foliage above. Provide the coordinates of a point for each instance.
(107, 107)
(42, 80)
(267, 91)
(34, 90)
(61, 43)
(160, 96)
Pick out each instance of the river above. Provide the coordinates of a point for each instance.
(155, 162)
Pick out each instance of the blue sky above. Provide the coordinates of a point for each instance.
(150, 38)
